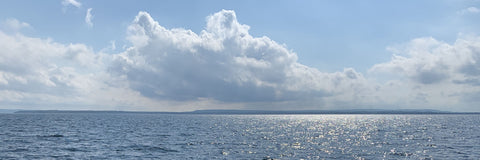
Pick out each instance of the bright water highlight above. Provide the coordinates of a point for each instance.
(180, 136)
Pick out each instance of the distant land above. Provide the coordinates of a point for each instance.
(9, 110)
(219, 111)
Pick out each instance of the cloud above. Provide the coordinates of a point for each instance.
(89, 18)
(35, 66)
(469, 10)
(75, 3)
(224, 63)
(444, 74)
(39, 73)
(112, 45)
(223, 66)
(426, 64)
(14, 25)
(429, 61)
(42, 74)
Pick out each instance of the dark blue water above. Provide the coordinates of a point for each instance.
(170, 136)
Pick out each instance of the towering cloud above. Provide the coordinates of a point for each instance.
(224, 62)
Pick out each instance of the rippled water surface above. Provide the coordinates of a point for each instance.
(171, 136)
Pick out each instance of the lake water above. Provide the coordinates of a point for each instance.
(181, 136)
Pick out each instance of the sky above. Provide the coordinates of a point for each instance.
(268, 55)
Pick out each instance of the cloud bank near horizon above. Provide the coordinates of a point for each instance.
(224, 66)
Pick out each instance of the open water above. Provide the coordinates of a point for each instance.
(181, 136)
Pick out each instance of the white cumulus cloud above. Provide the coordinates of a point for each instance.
(441, 74)
(35, 66)
(429, 61)
(223, 62)
(42, 74)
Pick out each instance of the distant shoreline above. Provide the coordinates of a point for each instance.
(257, 112)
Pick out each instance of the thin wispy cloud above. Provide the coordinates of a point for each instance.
(89, 18)
(469, 10)
(14, 25)
(74, 3)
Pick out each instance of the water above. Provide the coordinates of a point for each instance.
(170, 136)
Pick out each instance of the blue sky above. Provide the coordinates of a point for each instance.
(314, 55)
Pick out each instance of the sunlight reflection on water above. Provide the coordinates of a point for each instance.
(135, 135)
